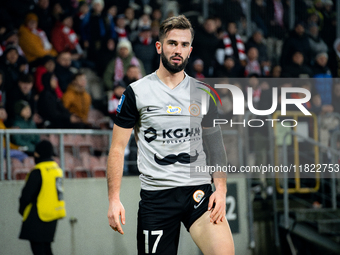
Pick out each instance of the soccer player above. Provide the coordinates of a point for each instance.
(169, 127)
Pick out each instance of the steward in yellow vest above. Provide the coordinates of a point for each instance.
(42, 200)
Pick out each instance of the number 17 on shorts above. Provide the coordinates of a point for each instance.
(148, 244)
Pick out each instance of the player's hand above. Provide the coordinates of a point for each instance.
(116, 210)
(218, 212)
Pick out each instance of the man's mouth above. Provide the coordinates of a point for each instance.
(176, 60)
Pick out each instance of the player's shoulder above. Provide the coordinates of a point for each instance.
(144, 82)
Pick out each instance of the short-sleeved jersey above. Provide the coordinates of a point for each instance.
(168, 129)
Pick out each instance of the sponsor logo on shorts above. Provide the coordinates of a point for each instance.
(198, 195)
(174, 109)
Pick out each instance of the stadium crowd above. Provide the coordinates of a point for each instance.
(50, 47)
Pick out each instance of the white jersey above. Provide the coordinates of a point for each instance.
(168, 128)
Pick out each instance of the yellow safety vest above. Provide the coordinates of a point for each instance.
(50, 201)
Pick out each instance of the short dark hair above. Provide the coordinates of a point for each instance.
(175, 22)
(25, 78)
(76, 75)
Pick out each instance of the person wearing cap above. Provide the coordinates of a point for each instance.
(144, 48)
(33, 40)
(296, 41)
(117, 67)
(42, 200)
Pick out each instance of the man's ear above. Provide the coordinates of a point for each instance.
(159, 47)
(36, 154)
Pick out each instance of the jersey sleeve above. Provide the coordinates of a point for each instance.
(208, 119)
(127, 113)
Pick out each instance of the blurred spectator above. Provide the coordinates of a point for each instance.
(12, 64)
(64, 38)
(23, 120)
(323, 82)
(257, 41)
(132, 75)
(63, 70)
(81, 19)
(145, 50)
(336, 96)
(259, 15)
(233, 44)
(144, 21)
(56, 12)
(42, 11)
(296, 41)
(121, 31)
(33, 40)
(317, 45)
(116, 69)
(276, 71)
(253, 65)
(297, 69)
(11, 37)
(105, 55)
(277, 18)
(76, 100)
(198, 67)
(51, 108)
(23, 91)
(205, 44)
(317, 9)
(131, 23)
(93, 29)
(156, 15)
(328, 32)
(110, 22)
(230, 68)
(48, 65)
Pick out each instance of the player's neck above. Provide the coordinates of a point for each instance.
(170, 79)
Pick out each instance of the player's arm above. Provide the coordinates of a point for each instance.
(213, 140)
(127, 117)
(217, 156)
(115, 164)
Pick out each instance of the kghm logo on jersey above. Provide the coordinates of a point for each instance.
(174, 109)
(198, 195)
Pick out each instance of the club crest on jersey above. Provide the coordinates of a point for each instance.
(120, 103)
(174, 109)
(194, 110)
(198, 195)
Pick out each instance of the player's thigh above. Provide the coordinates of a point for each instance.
(158, 223)
(211, 238)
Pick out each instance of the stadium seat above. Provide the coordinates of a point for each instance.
(98, 166)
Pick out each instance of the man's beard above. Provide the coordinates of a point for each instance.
(173, 68)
